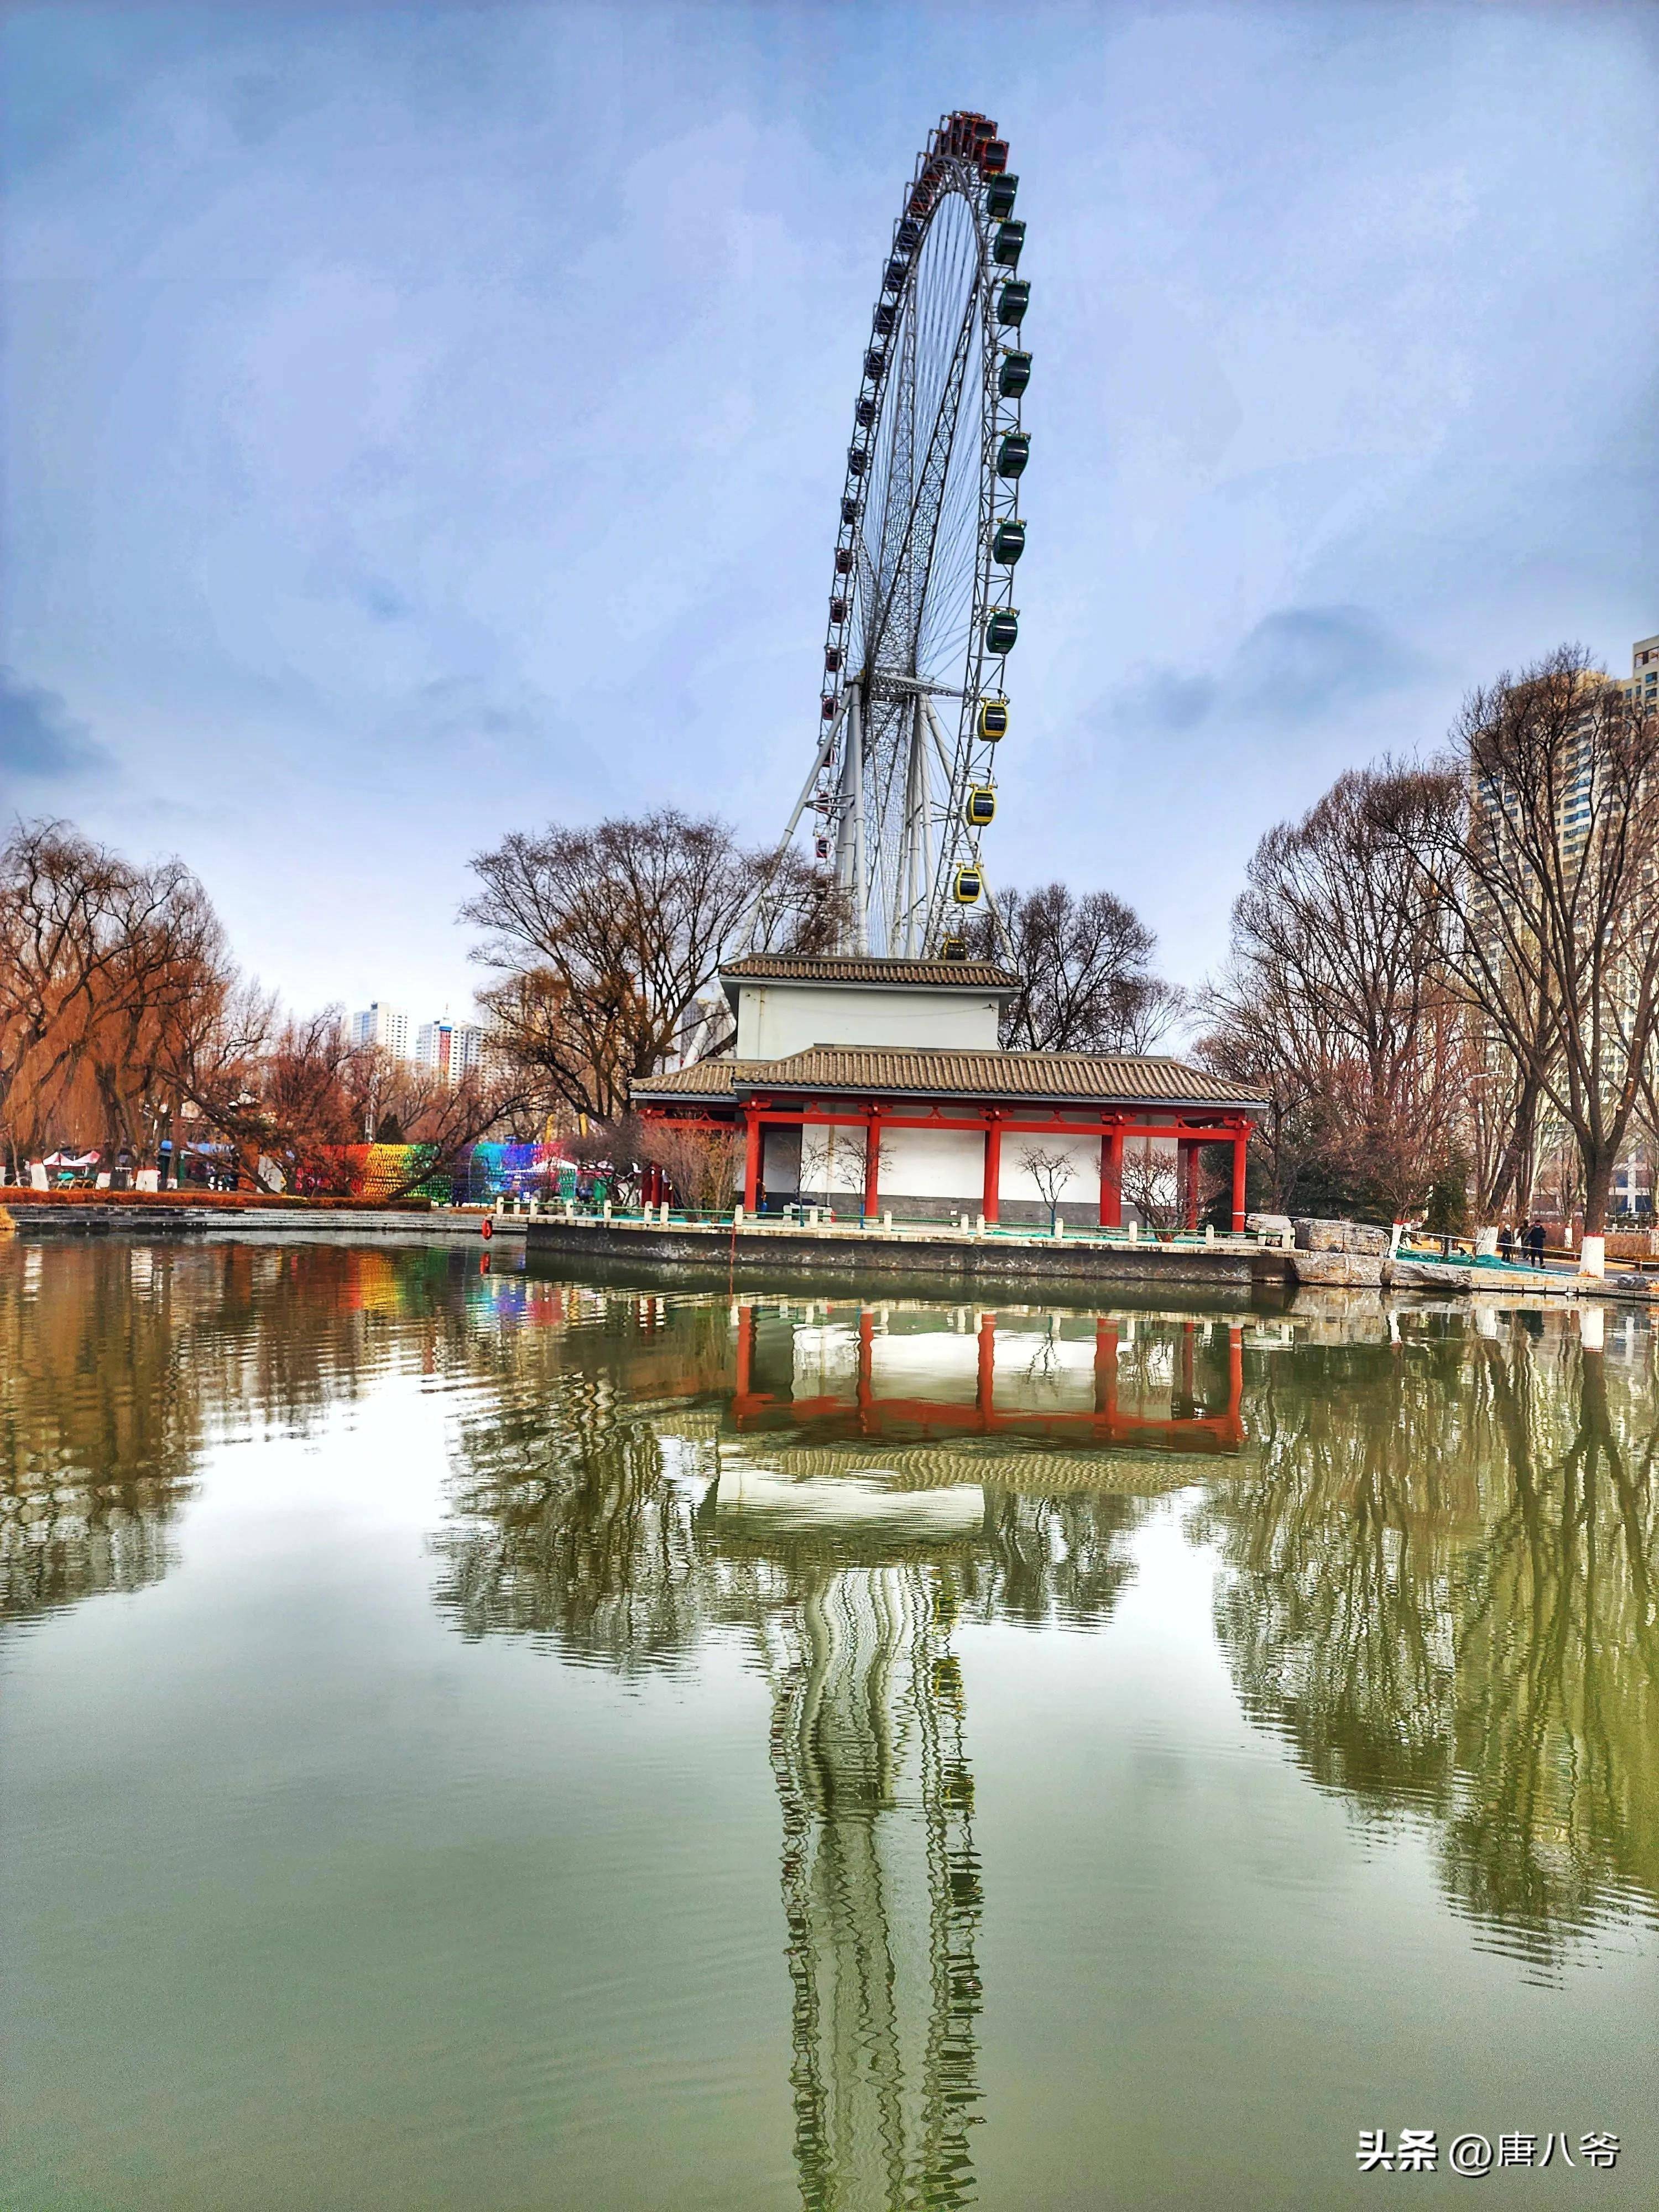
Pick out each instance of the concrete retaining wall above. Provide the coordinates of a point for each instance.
(946, 1260)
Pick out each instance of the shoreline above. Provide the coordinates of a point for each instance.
(923, 1255)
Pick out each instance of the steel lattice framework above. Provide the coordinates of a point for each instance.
(921, 613)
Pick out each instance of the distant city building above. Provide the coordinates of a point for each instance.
(386, 1028)
(451, 1049)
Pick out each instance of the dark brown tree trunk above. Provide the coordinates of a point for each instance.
(1517, 1152)
(1598, 1183)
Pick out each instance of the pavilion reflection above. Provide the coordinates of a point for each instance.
(1438, 1531)
(1059, 1379)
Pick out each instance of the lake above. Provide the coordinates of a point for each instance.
(475, 1740)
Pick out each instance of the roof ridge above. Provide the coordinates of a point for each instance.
(874, 967)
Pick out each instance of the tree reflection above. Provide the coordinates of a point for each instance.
(1439, 1588)
(578, 1482)
(121, 1363)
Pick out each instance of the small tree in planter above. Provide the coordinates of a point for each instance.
(833, 1160)
(1151, 1184)
(1051, 1172)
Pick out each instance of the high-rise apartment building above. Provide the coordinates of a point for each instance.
(1643, 685)
(451, 1050)
(385, 1027)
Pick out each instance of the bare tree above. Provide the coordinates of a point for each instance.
(604, 938)
(1082, 962)
(1151, 1184)
(1549, 858)
(1337, 998)
(101, 963)
(1052, 1172)
(833, 1160)
(615, 1149)
(701, 1165)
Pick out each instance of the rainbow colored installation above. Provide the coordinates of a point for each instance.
(481, 1172)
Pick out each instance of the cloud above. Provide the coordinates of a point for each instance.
(1163, 699)
(1294, 666)
(449, 417)
(38, 737)
(1295, 663)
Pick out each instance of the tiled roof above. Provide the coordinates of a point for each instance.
(860, 968)
(709, 1079)
(1081, 1077)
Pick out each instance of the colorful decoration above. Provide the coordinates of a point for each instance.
(477, 1176)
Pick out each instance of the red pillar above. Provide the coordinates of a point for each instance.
(745, 1350)
(866, 1393)
(871, 1169)
(1111, 1179)
(986, 1379)
(1241, 1145)
(993, 1185)
(751, 1162)
(1106, 1367)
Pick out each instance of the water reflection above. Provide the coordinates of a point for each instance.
(1436, 1535)
(1440, 1590)
(839, 1487)
(120, 1364)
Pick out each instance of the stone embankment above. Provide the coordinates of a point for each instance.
(1355, 1256)
(227, 1214)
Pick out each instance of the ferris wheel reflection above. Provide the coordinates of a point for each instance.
(882, 1884)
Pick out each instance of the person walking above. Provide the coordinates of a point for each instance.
(1535, 1243)
(1506, 1243)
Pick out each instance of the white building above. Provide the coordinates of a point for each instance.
(385, 1027)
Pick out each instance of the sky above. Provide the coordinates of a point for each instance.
(419, 421)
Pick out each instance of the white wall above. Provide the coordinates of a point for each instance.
(933, 1163)
(951, 1163)
(776, 1019)
(1083, 1153)
(832, 1158)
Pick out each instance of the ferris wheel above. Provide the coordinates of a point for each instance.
(914, 701)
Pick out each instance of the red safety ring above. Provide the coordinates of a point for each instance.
(486, 1227)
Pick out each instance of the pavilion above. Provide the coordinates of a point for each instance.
(883, 1079)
